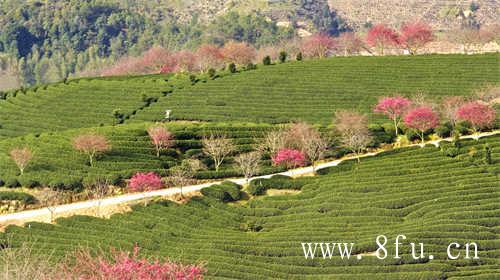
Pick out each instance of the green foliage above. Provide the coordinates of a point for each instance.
(266, 60)
(227, 191)
(280, 182)
(232, 68)
(58, 165)
(299, 56)
(417, 192)
(19, 196)
(313, 90)
(283, 56)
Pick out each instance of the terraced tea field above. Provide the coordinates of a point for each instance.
(307, 90)
(57, 164)
(314, 90)
(419, 192)
(79, 103)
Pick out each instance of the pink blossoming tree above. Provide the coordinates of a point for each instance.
(381, 36)
(289, 157)
(394, 108)
(145, 182)
(318, 45)
(415, 35)
(422, 119)
(479, 115)
(161, 138)
(128, 266)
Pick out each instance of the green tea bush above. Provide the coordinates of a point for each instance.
(19, 196)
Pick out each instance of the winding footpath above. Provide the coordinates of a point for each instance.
(45, 215)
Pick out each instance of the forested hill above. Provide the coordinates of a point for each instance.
(46, 41)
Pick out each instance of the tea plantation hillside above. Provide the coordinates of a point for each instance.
(58, 165)
(419, 192)
(307, 90)
(314, 90)
(80, 103)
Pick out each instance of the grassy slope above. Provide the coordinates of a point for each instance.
(418, 192)
(314, 90)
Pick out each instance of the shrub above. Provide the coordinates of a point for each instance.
(232, 68)
(227, 191)
(282, 57)
(211, 73)
(12, 183)
(260, 186)
(145, 182)
(299, 56)
(443, 131)
(266, 60)
(19, 196)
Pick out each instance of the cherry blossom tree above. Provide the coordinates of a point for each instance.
(141, 182)
(248, 164)
(91, 144)
(381, 36)
(415, 35)
(353, 130)
(422, 119)
(186, 61)
(209, 56)
(218, 147)
(394, 108)
(239, 53)
(21, 157)
(289, 157)
(479, 115)
(318, 45)
(350, 43)
(127, 266)
(161, 138)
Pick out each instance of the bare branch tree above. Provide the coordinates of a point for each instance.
(183, 174)
(49, 199)
(273, 141)
(248, 164)
(98, 190)
(309, 140)
(218, 147)
(21, 157)
(354, 132)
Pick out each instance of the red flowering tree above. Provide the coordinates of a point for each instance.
(415, 35)
(21, 156)
(209, 56)
(289, 157)
(422, 119)
(239, 53)
(394, 108)
(350, 43)
(91, 144)
(381, 36)
(479, 115)
(128, 266)
(141, 182)
(185, 61)
(161, 138)
(318, 45)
